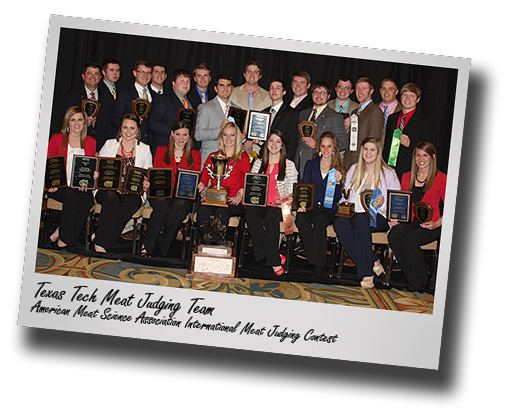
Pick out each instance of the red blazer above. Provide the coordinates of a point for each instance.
(236, 179)
(433, 196)
(55, 146)
(160, 163)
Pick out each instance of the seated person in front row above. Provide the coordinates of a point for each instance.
(370, 172)
(326, 171)
(169, 213)
(229, 144)
(263, 222)
(428, 186)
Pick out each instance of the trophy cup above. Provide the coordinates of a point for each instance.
(217, 195)
(346, 209)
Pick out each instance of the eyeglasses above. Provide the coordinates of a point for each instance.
(320, 92)
(144, 73)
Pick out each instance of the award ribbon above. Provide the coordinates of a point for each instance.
(393, 153)
(286, 211)
(354, 126)
(329, 191)
(373, 207)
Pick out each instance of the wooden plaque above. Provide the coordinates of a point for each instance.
(110, 173)
(189, 116)
(256, 189)
(83, 168)
(399, 205)
(307, 129)
(239, 116)
(141, 107)
(303, 196)
(161, 182)
(133, 182)
(423, 212)
(258, 126)
(91, 107)
(187, 184)
(56, 175)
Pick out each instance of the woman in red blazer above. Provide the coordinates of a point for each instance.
(169, 213)
(428, 186)
(76, 203)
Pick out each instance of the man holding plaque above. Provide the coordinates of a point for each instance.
(405, 129)
(165, 111)
(366, 121)
(325, 118)
(213, 114)
(139, 89)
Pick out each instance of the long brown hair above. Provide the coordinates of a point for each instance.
(187, 148)
(336, 161)
(428, 148)
(132, 117)
(65, 126)
(282, 156)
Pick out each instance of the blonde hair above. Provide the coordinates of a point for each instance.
(238, 142)
(361, 164)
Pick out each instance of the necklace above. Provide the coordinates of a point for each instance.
(324, 166)
(419, 181)
(125, 154)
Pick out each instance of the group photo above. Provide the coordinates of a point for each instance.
(238, 169)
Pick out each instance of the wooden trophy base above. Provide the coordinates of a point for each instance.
(346, 210)
(216, 197)
(213, 263)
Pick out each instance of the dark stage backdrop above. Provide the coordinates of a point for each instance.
(78, 47)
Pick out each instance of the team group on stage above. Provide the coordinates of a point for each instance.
(358, 145)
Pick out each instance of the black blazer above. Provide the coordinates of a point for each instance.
(418, 128)
(306, 103)
(287, 121)
(195, 99)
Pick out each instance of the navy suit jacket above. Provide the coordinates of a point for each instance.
(287, 121)
(195, 98)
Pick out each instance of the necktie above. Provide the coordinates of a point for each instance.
(402, 123)
(186, 104)
(158, 92)
(114, 92)
(313, 117)
(203, 99)
(251, 99)
(226, 112)
(92, 95)
(272, 116)
(144, 93)
(385, 114)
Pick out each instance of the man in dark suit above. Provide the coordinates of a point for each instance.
(201, 92)
(370, 120)
(99, 127)
(325, 118)
(301, 99)
(111, 74)
(164, 114)
(159, 76)
(139, 89)
(283, 117)
(415, 127)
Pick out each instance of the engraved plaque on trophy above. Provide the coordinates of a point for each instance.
(258, 126)
(161, 182)
(55, 176)
(346, 209)
(91, 107)
(303, 196)
(423, 212)
(187, 184)
(239, 116)
(189, 116)
(307, 129)
(141, 107)
(399, 205)
(366, 197)
(256, 188)
(134, 180)
(217, 195)
(110, 173)
(83, 168)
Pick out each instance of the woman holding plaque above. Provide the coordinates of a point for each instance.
(428, 186)
(369, 173)
(117, 207)
(326, 171)
(169, 213)
(230, 145)
(76, 203)
(263, 222)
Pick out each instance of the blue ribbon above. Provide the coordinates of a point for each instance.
(373, 207)
(331, 186)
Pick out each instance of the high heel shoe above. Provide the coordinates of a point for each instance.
(378, 269)
(283, 259)
(279, 272)
(367, 283)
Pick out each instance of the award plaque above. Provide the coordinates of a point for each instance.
(303, 196)
(256, 189)
(161, 182)
(239, 116)
(187, 184)
(423, 212)
(258, 126)
(83, 168)
(110, 173)
(91, 107)
(366, 196)
(56, 176)
(217, 195)
(307, 129)
(134, 180)
(399, 205)
(347, 209)
(141, 107)
(189, 116)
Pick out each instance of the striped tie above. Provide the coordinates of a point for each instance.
(402, 123)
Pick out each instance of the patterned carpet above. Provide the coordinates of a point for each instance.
(73, 265)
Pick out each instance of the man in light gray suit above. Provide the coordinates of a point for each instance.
(212, 115)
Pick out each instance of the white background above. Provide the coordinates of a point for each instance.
(51, 374)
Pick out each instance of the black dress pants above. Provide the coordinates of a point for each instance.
(263, 225)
